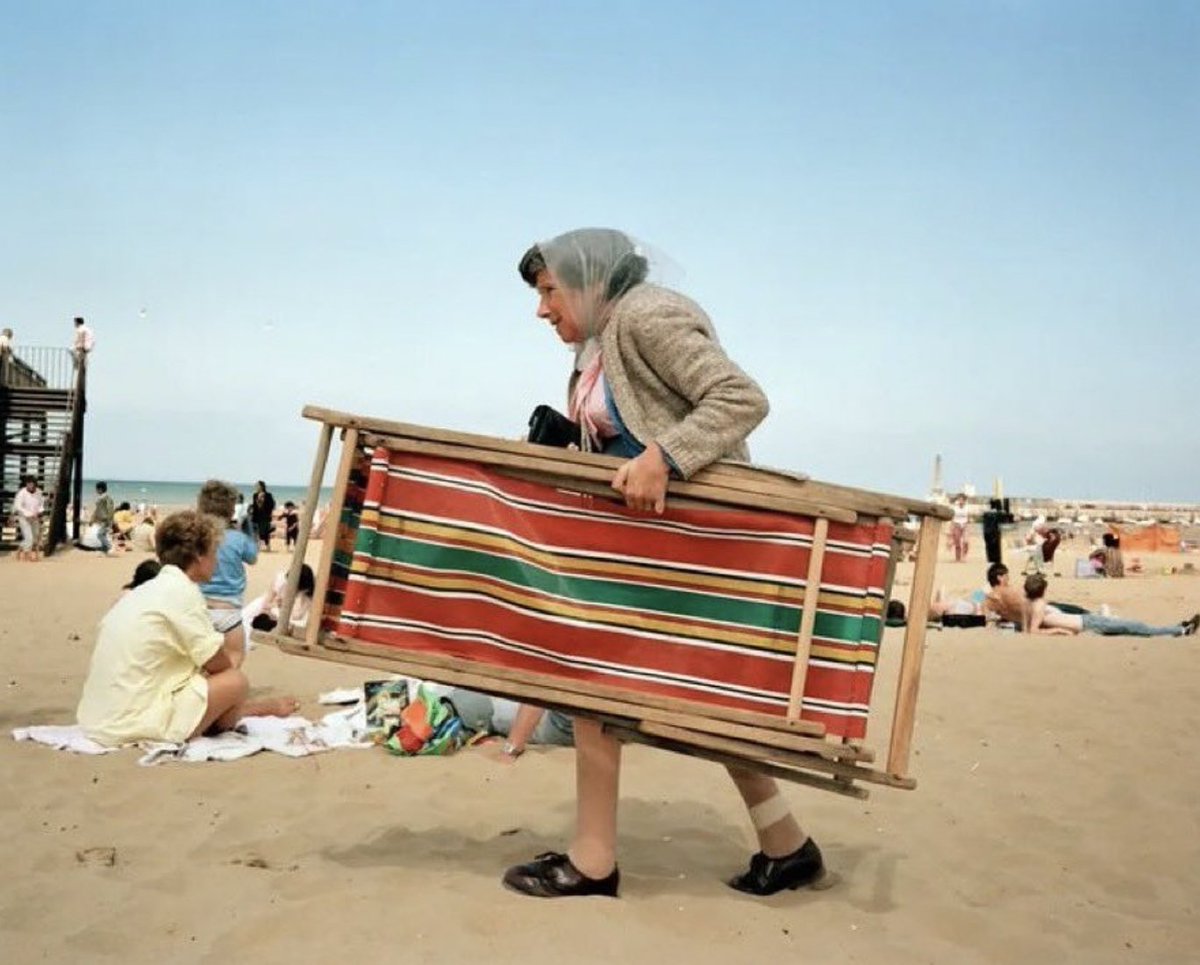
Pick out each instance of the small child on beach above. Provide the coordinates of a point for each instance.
(262, 613)
(224, 587)
(291, 524)
(144, 572)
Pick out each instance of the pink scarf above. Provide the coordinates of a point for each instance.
(588, 404)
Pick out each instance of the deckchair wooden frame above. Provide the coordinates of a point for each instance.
(786, 747)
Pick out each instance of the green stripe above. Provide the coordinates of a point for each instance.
(752, 614)
(668, 600)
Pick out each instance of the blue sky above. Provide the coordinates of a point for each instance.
(965, 228)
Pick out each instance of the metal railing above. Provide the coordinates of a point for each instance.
(38, 367)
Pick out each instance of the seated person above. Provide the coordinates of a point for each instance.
(291, 523)
(123, 521)
(1007, 604)
(1004, 601)
(1114, 561)
(262, 613)
(1045, 618)
(521, 724)
(160, 672)
(141, 537)
(144, 572)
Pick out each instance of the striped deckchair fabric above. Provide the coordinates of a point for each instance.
(454, 558)
(345, 536)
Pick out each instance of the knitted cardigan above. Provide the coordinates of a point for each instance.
(673, 383)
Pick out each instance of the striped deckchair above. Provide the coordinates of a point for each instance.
(743, 624)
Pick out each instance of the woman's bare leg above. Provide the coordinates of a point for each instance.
(781, 837)
(597, 785)
(235, 645)
(227, 703)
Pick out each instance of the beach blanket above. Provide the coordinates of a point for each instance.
(449, 557)
(290, 736)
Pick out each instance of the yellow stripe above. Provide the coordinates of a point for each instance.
(596, 613)
(508, 546)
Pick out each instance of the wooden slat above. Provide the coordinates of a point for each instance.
(743, 477)
(909, 682)
(865, 501)
(745, 751)
(549, 464)
(822, 754)
(808, 617)
(311, 500)
(751, 751)
(329, 543)
(820, 782)
(602, 491)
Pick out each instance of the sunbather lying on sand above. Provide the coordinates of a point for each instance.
(1043, 617)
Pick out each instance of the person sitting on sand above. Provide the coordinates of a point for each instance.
(224, 588)
(1045, 618)
(141, 537)
(160, 672)
(1114, 560)
(1004, 601)
(144, 572)
(123, 521)
(262, 613)
(1007, 604)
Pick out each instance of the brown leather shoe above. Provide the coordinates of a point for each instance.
(552, 875)
(803, 868)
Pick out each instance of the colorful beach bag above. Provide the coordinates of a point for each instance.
(428, 726)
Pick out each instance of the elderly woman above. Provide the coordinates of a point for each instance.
(652, 384)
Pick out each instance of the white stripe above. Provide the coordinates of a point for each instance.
(683, 681)
(701, 644)
(707, 621)
(613, 669)
(771, 536)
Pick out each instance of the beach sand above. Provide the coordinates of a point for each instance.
(1055, 819)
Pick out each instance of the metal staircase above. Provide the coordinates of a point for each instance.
(42, 403)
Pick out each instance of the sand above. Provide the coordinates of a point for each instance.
(1055, 819)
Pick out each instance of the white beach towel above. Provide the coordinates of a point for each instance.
(290, 736)
(70, 738)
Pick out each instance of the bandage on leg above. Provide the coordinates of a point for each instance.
(771, 811)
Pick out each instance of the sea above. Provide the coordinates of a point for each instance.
(179, 495)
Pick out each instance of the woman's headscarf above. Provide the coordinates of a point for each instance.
(595, 267)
